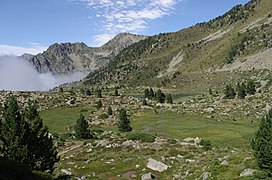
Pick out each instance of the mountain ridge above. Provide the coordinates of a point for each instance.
(65, 58)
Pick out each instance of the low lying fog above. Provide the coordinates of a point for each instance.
(19, 75)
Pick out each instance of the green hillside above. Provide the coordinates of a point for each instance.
(192, 58)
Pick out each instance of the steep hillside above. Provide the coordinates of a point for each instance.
(65, 58)
(199, 56)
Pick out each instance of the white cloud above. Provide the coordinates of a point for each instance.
(19, 75)
(101, 39)
(128, 15)
(17, 51)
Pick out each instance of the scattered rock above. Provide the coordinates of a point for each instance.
(247, 172)
(148, 176)
(156, 165)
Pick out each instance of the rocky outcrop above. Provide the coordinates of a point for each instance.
(65, 58)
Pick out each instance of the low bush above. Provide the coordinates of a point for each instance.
(141, 137)
(206, 144)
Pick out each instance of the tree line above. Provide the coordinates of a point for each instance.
(241, 91)
(158, 96)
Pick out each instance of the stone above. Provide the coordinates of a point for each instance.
(147, 176)
(224, 162)
(189, 160)
(156, 165)
(206, 175)
(66, 172)
(247, 172)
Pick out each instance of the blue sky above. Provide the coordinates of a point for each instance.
(32, 25)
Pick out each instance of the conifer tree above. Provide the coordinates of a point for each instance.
(116, 93)
(88, 92)
(262, 143)
(81, 128)
(210, 91)
(169, 99)
(146, 93)
(124, 123)
(160, 97)
(110, 112)
(99, 104)
(241, 90)
(44, 154)
(25, 139)
(251, 88)
(144, 102)
(15, 134)
(99, 93)
(151, 94)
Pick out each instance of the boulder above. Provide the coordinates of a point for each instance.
(247, 172)
(156, 165)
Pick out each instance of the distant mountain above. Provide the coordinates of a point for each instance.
(65, 58)
(233, 47)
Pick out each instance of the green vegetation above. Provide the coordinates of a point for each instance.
(99, 104)
(124, 123)
(141, 137)
(206, 144)
(82, 128)
(24, 138)
(61, 120)
(109, 111)
(220, 131)
(262, 143)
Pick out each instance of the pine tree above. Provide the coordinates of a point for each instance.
(15, 134)
(116, 93)
(146, 93)
(251, 88)
(110, 112)
(99, 104)
(160, 97)
(81, 128)
(44, 154)
(124, 123)
(99, 93)
(210, 91)
(25, 139)
(145, 102)
(61, 90)
(88, 92)
(232, 92)
(241, 90)
(169, 99)
(151, 94)
(262, 143)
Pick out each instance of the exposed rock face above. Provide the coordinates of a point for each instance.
(65, 58)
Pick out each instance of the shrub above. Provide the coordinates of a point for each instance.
(103, 116)
(262, 143)
(206, 144)
(141, 137)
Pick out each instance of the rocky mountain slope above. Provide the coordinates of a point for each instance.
(65, 58)
(231, 47)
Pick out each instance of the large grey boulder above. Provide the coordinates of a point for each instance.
(156, 165)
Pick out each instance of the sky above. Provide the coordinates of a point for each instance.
(30, 26)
